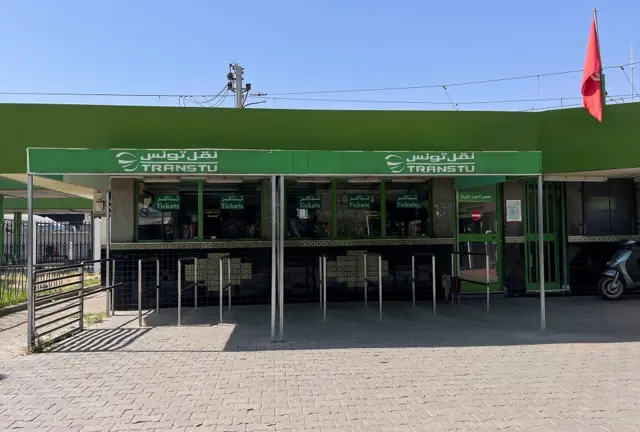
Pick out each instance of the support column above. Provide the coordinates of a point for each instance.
(274, 265)
(281, 257)
(109, 301)
(541, 277)
(30, 289)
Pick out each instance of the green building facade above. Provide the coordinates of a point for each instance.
(197, 182)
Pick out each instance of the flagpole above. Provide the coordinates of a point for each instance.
(602, 84)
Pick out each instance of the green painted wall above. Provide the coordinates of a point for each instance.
(557, 133)
(571, 140)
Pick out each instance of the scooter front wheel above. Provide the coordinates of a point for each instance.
(610, 289)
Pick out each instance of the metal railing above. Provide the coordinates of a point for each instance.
(14, 282)
(141, 291)
(65, 292)
(414, 279)
(455, 272)
(60, 242)
(379, 282)
(194, 285)
(223, 286)
(322, 267)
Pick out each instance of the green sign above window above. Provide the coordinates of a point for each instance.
(479, 197)
(309, 202)
(167, 202)
(359, 201)
(199, 162)
(407, 202)
(231, 202)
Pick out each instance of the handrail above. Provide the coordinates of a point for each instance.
(49, 307)
(433, 277)
(193, 285)
(223, 286)
(56, 269)
(379, 282)
(455, 264)
(110, 297)
(140, 291)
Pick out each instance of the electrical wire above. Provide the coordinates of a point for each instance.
(431, 86)
(413, 102)
(204, 95)
(633, 88)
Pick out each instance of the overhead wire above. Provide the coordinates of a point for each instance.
(216, 100)
(431, 86)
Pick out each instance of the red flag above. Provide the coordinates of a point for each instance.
(591, 84)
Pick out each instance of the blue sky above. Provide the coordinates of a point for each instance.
(184, 47)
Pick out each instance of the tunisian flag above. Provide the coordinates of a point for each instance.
(591, 84)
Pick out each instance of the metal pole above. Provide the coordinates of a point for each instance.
(543, 319)
(413, 279)
(108, 248)
(366, 283)
(433, 282)
(238, 73)
(273, 258)
(157, 287)
(30, 287)
(140, 294)
(281, 261)
(380, 285)
(113, 290)
(324, 288)
(229, 280)
(221, 288)
(486, 264)
(633, 88)
(320, 277)
(195, 284)
(179, 293)
(81, 298)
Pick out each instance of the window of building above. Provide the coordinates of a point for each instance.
(477, 211)
(609, 207)
(407, 209)
(232, 210)
(309, 209)
(358, 209)
(167, 212)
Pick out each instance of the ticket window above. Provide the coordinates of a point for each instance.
(167, 212)
(232, 210)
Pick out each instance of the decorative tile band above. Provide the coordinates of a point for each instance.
(514, 240)
(602, 239)
(250, 244)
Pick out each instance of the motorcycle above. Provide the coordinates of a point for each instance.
(619, 277)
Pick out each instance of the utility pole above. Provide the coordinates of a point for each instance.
(234, 84)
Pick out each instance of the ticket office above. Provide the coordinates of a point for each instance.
(316, 208)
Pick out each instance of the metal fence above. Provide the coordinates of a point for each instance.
(55, 242)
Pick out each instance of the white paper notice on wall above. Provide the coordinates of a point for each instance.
(514, 210)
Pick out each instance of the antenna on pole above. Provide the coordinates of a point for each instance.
(234, 84)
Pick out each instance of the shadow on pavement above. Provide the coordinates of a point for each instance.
(96, 340)
(515, 321)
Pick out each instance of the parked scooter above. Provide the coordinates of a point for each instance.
(620, 276)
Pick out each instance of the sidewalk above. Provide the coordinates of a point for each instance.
(13, 327)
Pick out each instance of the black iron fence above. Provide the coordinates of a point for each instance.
(55, 242)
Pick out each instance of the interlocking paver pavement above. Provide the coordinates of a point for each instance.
(461, 371)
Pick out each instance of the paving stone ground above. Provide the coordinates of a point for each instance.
(460, 371)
